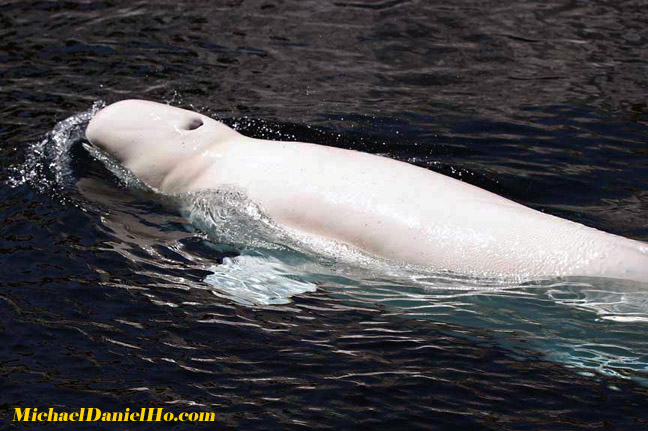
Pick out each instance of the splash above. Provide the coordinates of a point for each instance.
(47, 165)
(257, 280)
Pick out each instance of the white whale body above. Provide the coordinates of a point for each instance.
(381, 206)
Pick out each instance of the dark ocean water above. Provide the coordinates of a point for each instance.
(110, 299)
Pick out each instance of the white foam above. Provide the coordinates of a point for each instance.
(257, 280)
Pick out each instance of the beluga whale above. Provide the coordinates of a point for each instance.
(380, 206)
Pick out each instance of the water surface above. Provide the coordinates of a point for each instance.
(111, 299)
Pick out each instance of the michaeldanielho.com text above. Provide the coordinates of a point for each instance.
(96, 415)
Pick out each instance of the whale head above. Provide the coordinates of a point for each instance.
(152, 139)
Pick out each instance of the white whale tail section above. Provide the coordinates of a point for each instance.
(618, 257)
(633, 264)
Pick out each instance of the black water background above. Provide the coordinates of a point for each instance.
(542, 102)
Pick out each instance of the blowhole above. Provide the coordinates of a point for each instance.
(194, 123)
